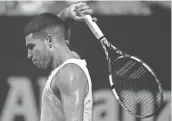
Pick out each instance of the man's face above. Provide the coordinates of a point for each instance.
(38, 51)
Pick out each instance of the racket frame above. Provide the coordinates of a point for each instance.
(100, 36)
(155, 77)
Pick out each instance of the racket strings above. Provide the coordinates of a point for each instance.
(134, 85)
(137, 74)
(130, 102)
(125, 68)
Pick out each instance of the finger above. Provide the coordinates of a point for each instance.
(83, 8)
(81, 4)
(81, 18)
(78, 5)
(88, 11)
(94, 19)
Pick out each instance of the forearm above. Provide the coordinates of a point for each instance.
(62, 14)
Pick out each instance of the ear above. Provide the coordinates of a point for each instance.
(50, 40)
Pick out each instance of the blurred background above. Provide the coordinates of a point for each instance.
(140, 28)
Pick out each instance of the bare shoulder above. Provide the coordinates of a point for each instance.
(71, 77)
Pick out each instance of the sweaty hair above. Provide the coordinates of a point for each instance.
(42, 22)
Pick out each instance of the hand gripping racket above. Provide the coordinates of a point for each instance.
(133, 82)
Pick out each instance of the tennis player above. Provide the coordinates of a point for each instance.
(67, 95)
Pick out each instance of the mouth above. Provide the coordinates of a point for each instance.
(34, 62)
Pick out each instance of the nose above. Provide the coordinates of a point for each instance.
(29, 55)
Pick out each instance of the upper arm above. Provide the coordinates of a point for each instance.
(72, 86)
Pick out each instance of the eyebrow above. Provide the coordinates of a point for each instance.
(29, 45)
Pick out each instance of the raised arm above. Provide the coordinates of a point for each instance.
(70, 14)
(73, 89)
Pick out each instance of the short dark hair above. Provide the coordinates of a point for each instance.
(42, 22)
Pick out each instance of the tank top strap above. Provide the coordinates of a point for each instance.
(76, 61)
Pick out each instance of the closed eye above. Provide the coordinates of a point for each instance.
(30, 46)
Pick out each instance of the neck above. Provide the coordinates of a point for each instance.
(60, 55)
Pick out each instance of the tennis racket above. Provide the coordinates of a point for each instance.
(133, 82)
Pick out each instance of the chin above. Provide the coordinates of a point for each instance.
(44, 67)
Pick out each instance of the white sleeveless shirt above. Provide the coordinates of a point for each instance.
(52, 109)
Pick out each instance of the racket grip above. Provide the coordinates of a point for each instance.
(93, 26)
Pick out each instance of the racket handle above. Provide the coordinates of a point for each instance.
(93, 26)
(99, 35)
